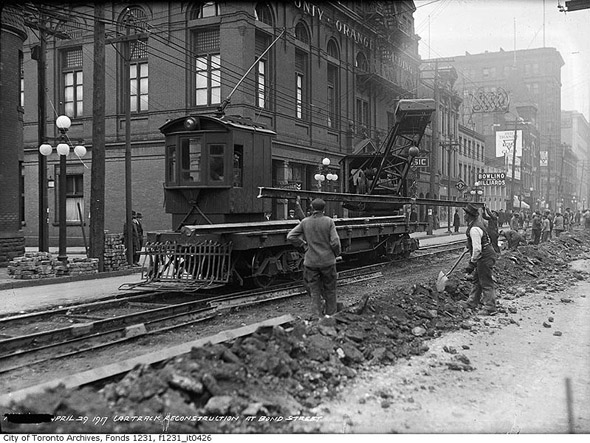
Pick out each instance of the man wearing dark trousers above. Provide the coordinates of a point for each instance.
(482, 260)
(317, 233)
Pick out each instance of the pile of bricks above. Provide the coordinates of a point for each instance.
(33, 265)
(82, 266)
(114, 253)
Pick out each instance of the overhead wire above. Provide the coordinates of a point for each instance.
(285, 97)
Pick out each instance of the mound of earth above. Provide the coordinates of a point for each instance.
(274, 378)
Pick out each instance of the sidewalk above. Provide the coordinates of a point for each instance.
(20, 296)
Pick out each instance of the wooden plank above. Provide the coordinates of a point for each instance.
(84, 378)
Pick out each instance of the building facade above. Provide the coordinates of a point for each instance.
(495, 85)
(325, 77)
(575, 132)
(12, 37)
(441, 140)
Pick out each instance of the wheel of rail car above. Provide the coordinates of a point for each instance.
(260, 259)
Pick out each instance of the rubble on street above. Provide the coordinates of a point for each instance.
(268, 381)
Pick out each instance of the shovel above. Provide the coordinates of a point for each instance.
(442, 279)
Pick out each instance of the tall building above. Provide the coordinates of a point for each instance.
(575, 132)
(495, 85)
(325, 77)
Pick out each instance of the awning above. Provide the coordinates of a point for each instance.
(520, 204)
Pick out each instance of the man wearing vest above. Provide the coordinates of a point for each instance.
(482, 260)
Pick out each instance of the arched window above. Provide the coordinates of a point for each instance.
(133, 22)
(263, 13)
(301, 33)
(333, 50)
(204, 10)
(361, 62)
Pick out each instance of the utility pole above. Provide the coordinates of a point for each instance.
(127, 39)
(511, 202)
(548, 173)
(433, 149)
(40, 56)
(451, 149)
(97, 193)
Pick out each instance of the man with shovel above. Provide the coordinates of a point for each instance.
(482, 260)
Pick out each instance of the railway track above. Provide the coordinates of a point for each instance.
(77, 329)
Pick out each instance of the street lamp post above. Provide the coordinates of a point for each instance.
(324, 173)
(63, 123)
(476, 191)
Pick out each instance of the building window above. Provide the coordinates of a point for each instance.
(332, 49)
(361, 62)
(138, 77)
(207, 68)
(362, 114)
(301, 33)
(204, 10)
(301, 98)
(134, 22)
(262, 72)
(72, 77)
(263, 13)
(333, 97)
(74, 198)
(21, 99)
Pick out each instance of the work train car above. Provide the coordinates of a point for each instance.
(214, 167)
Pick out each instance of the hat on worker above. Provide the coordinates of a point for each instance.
(471, 209)
(318, 204)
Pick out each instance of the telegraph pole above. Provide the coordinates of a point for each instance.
(40, 56)
(433, 149)
(97, 193)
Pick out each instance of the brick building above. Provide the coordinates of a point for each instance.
(575, 132)
(329, 84)
(530, 78)
(12, 37)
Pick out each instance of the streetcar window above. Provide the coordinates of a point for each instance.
(238, 166)
(190, 152)
(216, 161)
(171, 164)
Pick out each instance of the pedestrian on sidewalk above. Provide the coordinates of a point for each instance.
(456, 220)
(514, 222)
(317, 233)
(545, 228)
(481, 262)
(136, 236)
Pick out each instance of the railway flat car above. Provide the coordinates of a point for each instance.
(215, 166)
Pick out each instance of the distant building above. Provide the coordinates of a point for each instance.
(575, 132)
(525, 79)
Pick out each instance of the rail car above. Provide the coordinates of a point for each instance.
(218, 172)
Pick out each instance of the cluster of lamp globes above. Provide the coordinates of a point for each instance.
(477, 189)
(329, 176)
(63, 123)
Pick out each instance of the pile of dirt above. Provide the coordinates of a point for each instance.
(268, 381)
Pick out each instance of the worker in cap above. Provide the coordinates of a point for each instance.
(317, 235)
(481, 262)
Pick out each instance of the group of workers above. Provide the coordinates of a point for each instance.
(317, 235)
